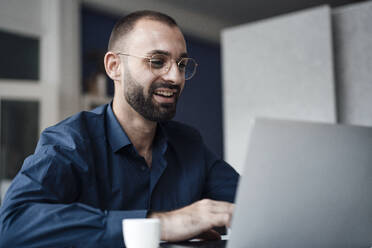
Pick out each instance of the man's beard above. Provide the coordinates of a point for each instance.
(145, 106)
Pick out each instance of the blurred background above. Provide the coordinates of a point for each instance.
(293, 59)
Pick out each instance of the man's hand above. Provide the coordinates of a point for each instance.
(193, 220)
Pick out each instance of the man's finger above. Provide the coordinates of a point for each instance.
(209, 235)
(221, 219)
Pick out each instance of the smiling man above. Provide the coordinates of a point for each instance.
(126, 159)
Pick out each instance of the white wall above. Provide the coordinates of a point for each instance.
(69, 34)
(21, 16)
(282, 68)
(353, 45)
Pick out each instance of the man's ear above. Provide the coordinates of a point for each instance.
(112, 66)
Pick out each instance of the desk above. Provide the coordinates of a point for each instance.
(199, 244)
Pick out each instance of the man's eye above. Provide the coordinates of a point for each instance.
(182, 65)
(157, 63)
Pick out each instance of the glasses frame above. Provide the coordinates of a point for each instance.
(167, 70)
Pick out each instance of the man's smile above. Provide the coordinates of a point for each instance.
(165, 92)
(163, 95)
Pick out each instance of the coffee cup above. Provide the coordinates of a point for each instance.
(141, 233)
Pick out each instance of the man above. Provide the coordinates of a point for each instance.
(124, 159)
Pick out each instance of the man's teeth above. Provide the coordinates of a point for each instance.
(164, 93)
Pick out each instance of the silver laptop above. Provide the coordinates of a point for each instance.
(305, 185)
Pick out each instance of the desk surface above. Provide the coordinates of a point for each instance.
(199, 244)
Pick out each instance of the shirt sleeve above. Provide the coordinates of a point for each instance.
(222, 179)
(40, 208)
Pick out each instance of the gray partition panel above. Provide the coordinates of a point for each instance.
(352, 27)
(281, 67)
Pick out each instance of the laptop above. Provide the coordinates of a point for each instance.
(305, 185)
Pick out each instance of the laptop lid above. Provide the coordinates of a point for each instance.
(305, 185)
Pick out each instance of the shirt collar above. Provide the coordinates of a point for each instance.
(115, 133)
(161, 139)
(119, 139)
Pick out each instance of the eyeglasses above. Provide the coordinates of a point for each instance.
(160, 64)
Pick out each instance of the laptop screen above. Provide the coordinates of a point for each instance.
(305, 185)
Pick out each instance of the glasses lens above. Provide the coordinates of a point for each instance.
(188, 66)
(160, 65)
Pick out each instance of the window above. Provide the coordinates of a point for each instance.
(19, 56)
(19, 134)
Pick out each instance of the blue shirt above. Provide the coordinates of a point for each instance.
(86, 176)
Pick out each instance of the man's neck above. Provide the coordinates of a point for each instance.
(140, 131)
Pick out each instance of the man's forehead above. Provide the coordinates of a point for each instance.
(150, 35)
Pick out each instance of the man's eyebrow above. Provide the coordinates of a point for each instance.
(158, 52)
(183, 55)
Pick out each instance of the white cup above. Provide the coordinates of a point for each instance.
(141, 233)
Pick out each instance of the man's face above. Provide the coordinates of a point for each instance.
(153, 96)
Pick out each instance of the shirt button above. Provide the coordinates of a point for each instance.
(143, 168)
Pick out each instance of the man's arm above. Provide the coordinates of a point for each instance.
(214, 210)
(222, 179)
(41, 208)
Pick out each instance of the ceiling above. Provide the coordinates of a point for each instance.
(244, 11)
(207, 18)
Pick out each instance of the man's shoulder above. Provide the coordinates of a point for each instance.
(175, 129)
(84, 117)
(82, 126)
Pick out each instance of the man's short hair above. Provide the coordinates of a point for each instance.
(126, 24)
